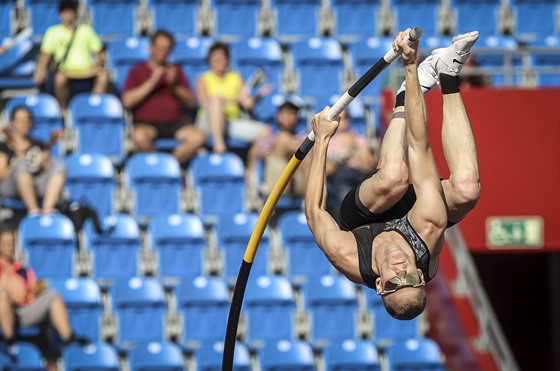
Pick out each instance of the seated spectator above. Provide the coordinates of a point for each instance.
(221, 94)
(350, 159)
(26, 301)
(275, 150)
(157, 93)
(27, 169)
(72, 48)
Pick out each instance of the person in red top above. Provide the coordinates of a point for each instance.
(26, 301)
(157, 93)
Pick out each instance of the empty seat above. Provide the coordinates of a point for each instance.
(115, 252)
(219, 182)
(191, 53)
(17, 64)
(42, 15)
(352, 355)
(112, 18)
(414, 354)
(46, 116)
(263, 53)
(97, 356)
(236, 18)
(209, 357)
(287, 355)
(90, 180)
(296, 18)
(155, 182)
(270, 307)
(233, 232)
(545, 60)
(175, 16)
(178, 240)
(355, 18)
(496, 56)
(411, 13)
(535, 17)
(481, 15)
(139, 306)
(6, 8)
(156, 356)
(203, 302)
(83, 301)
(318, 59)
(98, 122)
(50, 242)
(123, 53)
(332, 302)
(365, 53)
(304, 257)
(25, 357)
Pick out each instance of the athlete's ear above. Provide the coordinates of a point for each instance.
(378, 286)
(421, 275)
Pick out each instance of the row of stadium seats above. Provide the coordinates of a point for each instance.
(284, 355)
(289, 19)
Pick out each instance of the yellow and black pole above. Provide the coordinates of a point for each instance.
(272, 200)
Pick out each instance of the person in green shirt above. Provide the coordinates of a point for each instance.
(78, 54)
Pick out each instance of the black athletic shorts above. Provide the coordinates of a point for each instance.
(166, 130)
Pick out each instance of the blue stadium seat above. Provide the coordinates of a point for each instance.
(156, 183)
(219, 181)
(178, 240)
(414, 354)
(209, 357)
(236, 18)
(365, 53)
(233, 232)
(17, 66)
(175, 16)
(270, 307)
(386, 329)
(42, 15)
(287, 355)
(411, 13)
(355, 18)
(46, 116)
(258, 52)
(332, 302)
(352, 355)
(98, 121)
(296, 18)
(203, 302)
(114, 252)
(97, 356)
(90, 180)
(6, 8)
(50, 243)
(304, 256)
(481, 15)
(123, 53)
(83, 301)
(545, 53)
(535, 17)
(491, 52)
(112, 18)
(136, 303)
(191, 54)
(318, 59)
(27, 357)
(156, 356)
(266, 108)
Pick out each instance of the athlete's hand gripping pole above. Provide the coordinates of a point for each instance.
(278, 189)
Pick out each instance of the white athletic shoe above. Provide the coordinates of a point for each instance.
(450, 60)
(427, 76)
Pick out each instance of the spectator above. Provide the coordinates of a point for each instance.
(220, 94)
(350, 159)
(27, 170)
(26, 301)
(275, 150)
(157, 93)
(72, 48)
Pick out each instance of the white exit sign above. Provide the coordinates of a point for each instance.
(515, 232)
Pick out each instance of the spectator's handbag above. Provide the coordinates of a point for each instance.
(48, 85)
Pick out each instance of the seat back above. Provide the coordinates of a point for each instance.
(42, 15)
(492, 54)
(287, 355)
(296, 19)
(26, 357)
(115, 252)
(178, 240)
(409, 13)
(481, 15)
(258, 52)
(352, 355)
(97, 356)
(155, 355)
(176, 16)
(112, 18)
(545, 53)
(124, 53)
(421, 353)
(535, 17)
(355, 18)
(236, 18)
(191, 54)
(365, 53)
(50, 243)
(209, 357)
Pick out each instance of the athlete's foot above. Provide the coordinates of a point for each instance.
(427, 76)
(450, 60)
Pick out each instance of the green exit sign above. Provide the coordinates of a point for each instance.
(514, 232)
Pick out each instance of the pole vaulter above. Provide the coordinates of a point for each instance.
(278, 189)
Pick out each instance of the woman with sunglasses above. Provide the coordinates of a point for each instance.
(391, 233)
